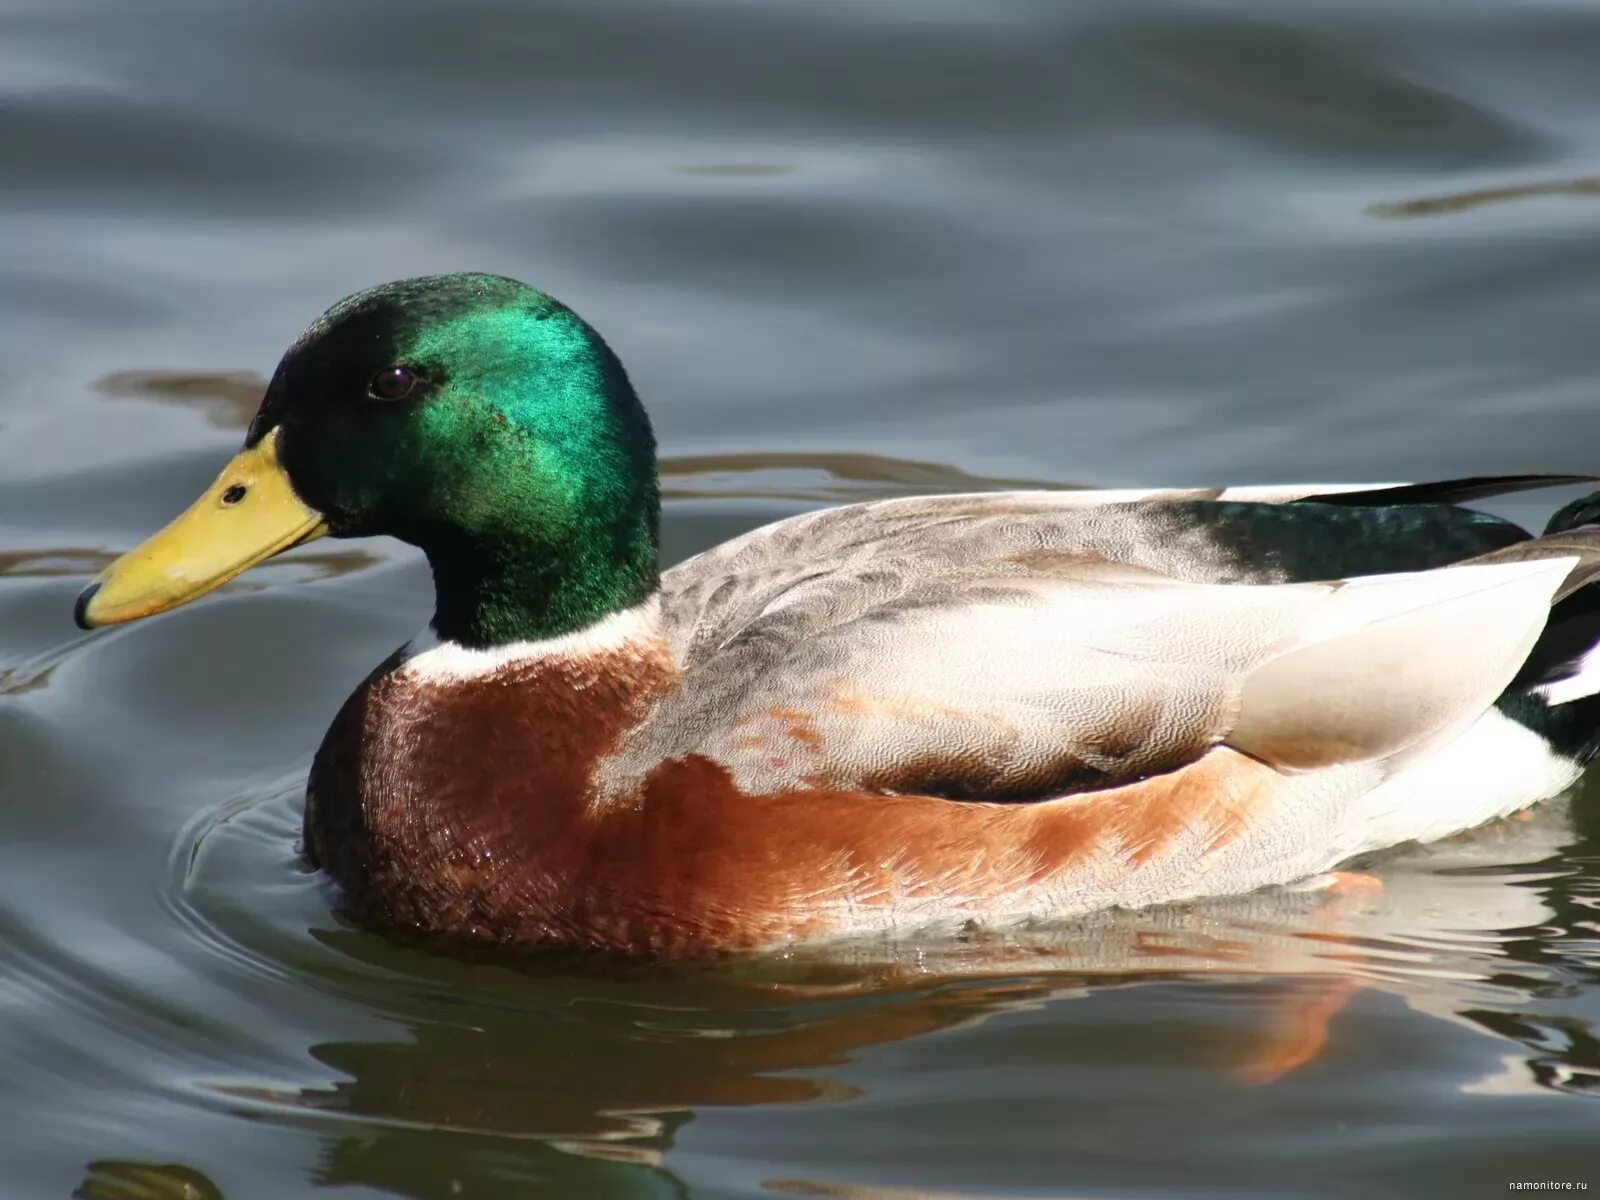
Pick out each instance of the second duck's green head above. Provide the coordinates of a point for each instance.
(470, 415)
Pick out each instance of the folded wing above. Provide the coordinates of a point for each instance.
(994, 648)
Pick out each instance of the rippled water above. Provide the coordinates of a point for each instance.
(847, 250)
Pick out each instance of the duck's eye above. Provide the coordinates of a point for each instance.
(393, 383)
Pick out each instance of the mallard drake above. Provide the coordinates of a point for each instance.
(873, 719)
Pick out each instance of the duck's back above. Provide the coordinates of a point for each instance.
(866, 554)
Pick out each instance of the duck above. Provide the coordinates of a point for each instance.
(899, 719)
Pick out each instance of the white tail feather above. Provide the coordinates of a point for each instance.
(1584, 681)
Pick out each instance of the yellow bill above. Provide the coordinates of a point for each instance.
(249, 514)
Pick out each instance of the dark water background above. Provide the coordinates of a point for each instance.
(847, 248)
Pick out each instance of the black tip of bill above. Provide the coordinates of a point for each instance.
(80, 610)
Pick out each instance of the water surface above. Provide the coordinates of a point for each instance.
(846, 250)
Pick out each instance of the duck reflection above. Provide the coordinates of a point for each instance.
(121, 1179)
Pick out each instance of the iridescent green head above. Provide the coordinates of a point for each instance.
(469, 415)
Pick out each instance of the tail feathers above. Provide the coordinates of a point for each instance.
(1556, 693)
(1454, 491)
(1581, 512)
(1581, 680)
(1564, 664)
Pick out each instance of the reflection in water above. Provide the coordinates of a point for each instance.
(658, 1041)
(1433, 206)
(228, 398)
(27, 677)
(850, 1191)
(54, 562)
(845, 477)
(114, 1179)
